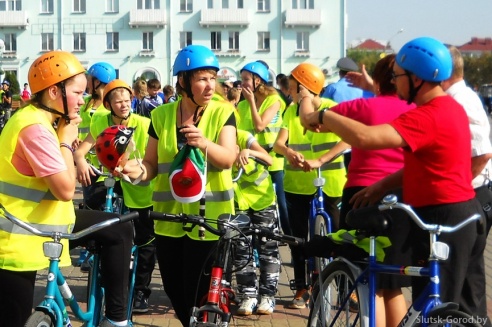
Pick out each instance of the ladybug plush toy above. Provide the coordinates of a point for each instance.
(112, 145)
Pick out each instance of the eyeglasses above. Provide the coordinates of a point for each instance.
(395, 76)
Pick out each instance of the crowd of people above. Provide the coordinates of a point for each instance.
(407, 124)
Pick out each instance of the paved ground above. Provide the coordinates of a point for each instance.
(162, 314)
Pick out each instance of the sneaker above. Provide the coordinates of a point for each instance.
(108, 323)
(248, 305)
(354, 303)
(301, 299)
(141, 303)
(266, 306)
(86, 265)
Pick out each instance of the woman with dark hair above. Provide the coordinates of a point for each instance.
(369, 166)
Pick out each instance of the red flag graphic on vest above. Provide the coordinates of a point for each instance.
(187, 175)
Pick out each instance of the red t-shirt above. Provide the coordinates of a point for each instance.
(438, 156)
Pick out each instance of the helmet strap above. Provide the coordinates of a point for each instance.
(413, 90)
(122, 118)
(53, 111)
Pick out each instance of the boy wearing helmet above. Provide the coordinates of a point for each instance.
(117, 98)
(436, 178)
(38, 158)
(304, 153)
(210, 127)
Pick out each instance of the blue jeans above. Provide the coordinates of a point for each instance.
(278, 180)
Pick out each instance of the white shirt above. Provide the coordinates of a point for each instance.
(479, 125)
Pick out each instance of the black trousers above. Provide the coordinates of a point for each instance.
(185, 271)
(463, 273)
(298, 206)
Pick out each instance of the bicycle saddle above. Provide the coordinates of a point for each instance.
(370, 220)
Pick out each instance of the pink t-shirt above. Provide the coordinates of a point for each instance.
(38, 152)
(368, 166)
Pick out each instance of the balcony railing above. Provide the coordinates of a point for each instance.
(14, 19)
(302, 17)
(224, 17)
(147, 17)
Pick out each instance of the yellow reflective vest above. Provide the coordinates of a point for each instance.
(29, 199)
(334, 172)
(140, 195)
(254, 190)
(219, 193)
(266, 138)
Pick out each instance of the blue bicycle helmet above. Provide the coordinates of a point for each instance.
(195, 57)
(257, 68)
(103, 71)
(427, 58)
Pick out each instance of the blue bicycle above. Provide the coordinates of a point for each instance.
(319, 223)
(52, 311)
(343, 279)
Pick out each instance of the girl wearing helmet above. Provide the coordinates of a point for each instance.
(39, 159)
(260, 113)
(117, 98)
(305, 152)
(209, 126)
(436, 178)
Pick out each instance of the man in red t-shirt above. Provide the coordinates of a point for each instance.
(436, 178)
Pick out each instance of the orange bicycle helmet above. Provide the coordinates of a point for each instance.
(51, 68)
(310, 76)
(111, 146)
(114, 84)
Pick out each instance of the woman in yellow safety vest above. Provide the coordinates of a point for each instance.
(210, 126)
(37, 184)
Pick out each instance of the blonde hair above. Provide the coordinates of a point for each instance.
(140, 88)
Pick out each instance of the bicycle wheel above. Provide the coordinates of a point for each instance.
(448, 318)
(39, 319)
(321, 229)
(332, 301)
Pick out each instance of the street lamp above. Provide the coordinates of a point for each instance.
(388, 44)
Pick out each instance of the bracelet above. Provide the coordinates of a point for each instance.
(320, 116)
(65, 145)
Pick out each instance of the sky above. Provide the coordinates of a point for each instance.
(451, 21)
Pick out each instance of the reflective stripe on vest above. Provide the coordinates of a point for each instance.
(210, 196)
(25, 193)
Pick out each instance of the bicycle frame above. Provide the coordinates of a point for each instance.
(58, 291)
(428, 300)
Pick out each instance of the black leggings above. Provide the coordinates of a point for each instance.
(17, 287)
(182, 263)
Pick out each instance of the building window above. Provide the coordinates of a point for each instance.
(79, 6)
(186, 5)
(46, 6)
(112, 6)
(10, 42)
(264, 41)
(78, 42)
(263, 5)
(302, 41)
(148, 41)
(240, 4)
(112, 41)
(47, 43)
(184, 39)
(302, 4)
(10, 5)
(210, 4)
(148, 4)
(215, 41)
(225, 4)
(234, 40)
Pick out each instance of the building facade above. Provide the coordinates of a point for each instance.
(143, 37)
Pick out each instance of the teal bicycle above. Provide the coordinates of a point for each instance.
(52, 311)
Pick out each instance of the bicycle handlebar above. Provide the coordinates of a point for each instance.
(226, 223)
(240, 170)
(112, 219)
